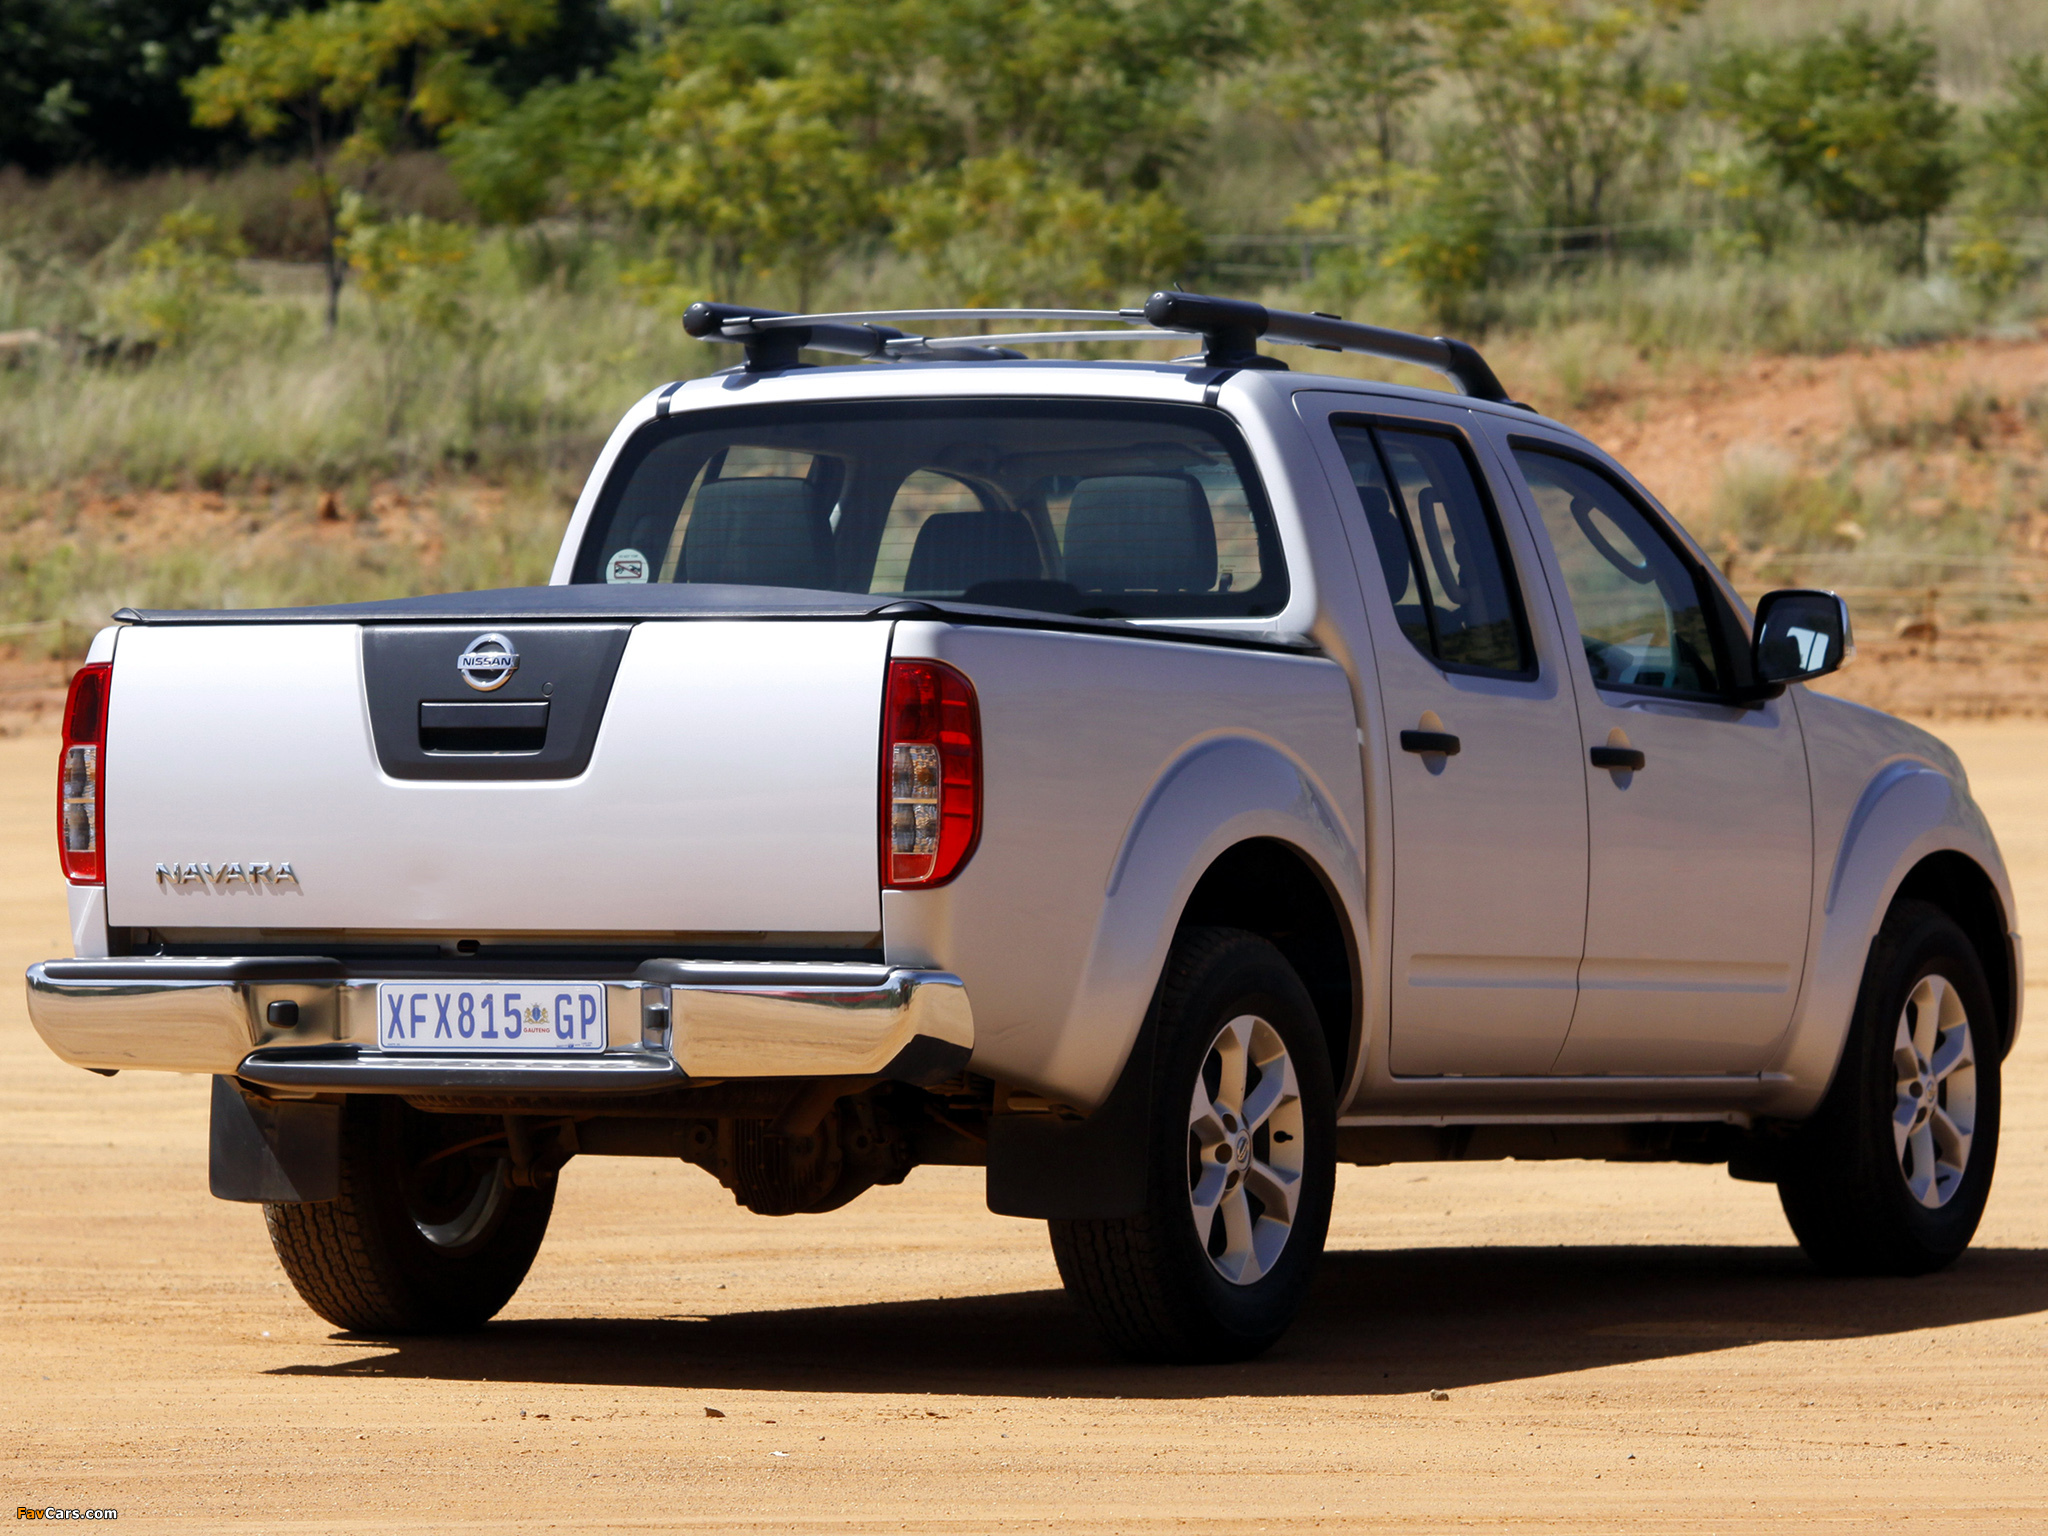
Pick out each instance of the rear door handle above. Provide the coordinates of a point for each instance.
(1619, 757)
(1430, 741)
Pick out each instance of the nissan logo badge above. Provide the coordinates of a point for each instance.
(489, 662)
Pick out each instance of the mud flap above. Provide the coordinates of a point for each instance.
(1045, 1166)
(277, 1152)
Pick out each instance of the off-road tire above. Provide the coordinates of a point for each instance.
(1846, 1187)
(363, 1261)
(1147, 1281)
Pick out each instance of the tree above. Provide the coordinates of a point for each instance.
(780, 134)
(180, 275)
(766, 172)
(413, 271)
(2007, 181)
(1569, 96)
(355, 77)
(567, 142)
(100, 81)
(1436, 225)
(1348, 70)
(1049, 128)
(1004, 230)
(1850, 118)
(2012, 139)
(1101, 90)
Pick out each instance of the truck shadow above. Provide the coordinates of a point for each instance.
(1378, 1322)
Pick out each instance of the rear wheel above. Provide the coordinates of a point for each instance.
(426, 1236)
(1891, 1175)
(1241, 1165)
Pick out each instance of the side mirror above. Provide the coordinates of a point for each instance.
(1800, 634)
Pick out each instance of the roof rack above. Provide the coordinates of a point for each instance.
(1231, 330)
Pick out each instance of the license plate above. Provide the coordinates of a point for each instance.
(515, 1017)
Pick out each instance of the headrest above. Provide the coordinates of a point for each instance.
(1396, 564)
(757, 532)
(1140, 533)
(957, 550)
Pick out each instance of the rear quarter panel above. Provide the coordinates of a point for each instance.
(1114, 772)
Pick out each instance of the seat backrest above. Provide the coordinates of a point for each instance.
(956, 550)
(1140, 533)
(758, 532)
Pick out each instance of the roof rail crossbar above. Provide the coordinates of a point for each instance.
(864, 316)
(774, 347)
(950, 343)
(1231, 330)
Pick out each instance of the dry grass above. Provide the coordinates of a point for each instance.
(1785, 410)
(74, 556)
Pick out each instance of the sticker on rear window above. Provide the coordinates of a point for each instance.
(628, 565)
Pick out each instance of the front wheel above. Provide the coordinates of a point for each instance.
(428, 1234)
(1891, 1175)
(1241, 1165)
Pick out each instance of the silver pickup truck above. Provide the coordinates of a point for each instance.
(1156, 783)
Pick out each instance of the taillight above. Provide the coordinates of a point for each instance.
(81, 791)
(931, 774)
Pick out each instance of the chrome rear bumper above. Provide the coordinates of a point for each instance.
(671, 1022)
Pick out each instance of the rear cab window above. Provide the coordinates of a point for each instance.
(1098, 508)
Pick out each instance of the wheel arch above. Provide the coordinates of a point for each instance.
(1959, 886)
(1044, 1166)
(1911, 831)
(1271, 888)
(1222, 794)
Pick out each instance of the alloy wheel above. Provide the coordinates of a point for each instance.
(449, 1221)
(1245, 1150)
(1934, 1115)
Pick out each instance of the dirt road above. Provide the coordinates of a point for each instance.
(1634, 1349)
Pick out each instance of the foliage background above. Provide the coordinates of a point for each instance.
(419, 340)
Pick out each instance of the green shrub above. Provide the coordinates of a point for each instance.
(1850, 117)
(181, 277)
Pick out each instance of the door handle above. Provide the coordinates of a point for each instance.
(1619, 757)
(1430, 741)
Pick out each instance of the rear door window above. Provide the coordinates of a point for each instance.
(1438, 545)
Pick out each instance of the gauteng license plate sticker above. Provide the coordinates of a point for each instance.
(516, 1018)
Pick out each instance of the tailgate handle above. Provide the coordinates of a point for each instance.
(493, 727)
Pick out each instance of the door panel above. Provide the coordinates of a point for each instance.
(1489, 855)
(1699, 890)
(1700, 865)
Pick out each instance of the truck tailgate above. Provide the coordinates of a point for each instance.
(731, 789)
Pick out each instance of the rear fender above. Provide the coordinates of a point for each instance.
(1220, 793)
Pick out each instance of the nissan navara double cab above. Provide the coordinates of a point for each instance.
(1156, 783)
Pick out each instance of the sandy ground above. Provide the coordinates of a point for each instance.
(1636, 1349)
